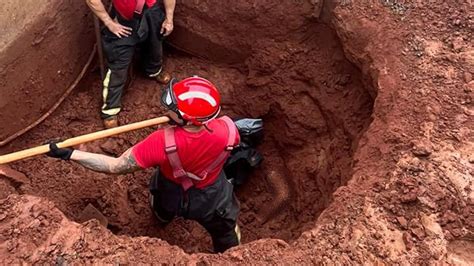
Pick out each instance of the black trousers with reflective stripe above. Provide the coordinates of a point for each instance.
(119, 53)
(215, 207)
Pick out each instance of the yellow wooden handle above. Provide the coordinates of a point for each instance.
(15, 156)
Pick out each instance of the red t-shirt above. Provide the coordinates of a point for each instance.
(196, 151)
(127, 7)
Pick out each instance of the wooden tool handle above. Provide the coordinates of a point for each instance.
(15, 156)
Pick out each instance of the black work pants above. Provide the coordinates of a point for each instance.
(215, 207)
(119, 53)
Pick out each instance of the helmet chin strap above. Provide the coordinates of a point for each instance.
(186, 122)
(207, 128)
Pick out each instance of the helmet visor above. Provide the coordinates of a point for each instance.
(167, 97)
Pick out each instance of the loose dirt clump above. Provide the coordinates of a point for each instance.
(368, 148)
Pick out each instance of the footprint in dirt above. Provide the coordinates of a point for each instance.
(280, 191)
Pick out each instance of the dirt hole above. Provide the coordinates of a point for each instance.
(315, 106)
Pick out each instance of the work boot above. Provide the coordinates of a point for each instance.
(163, 78)
(111, 122)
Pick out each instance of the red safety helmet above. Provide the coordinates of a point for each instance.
(194, 99)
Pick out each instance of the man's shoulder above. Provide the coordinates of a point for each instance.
(219, 124)
(159, 133)
(155, 137)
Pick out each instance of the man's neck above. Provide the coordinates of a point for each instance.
(193, 128)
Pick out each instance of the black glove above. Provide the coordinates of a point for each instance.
(172, 122)
(61, 153)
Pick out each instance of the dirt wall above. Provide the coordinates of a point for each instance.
(15, 17)
(43, 47)
(234, 31)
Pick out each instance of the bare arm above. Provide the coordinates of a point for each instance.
(169, 8)
(168, 24)
(99, 10)
(101, 163)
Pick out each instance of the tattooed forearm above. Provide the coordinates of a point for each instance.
(126, 163)
(106, 164)
(96, 162)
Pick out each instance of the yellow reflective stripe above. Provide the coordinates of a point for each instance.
(156, 74)
(237, 232)
(112, 111)
(105, 93)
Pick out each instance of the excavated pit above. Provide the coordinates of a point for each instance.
(315, 105)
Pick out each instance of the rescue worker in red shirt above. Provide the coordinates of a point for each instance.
(130, 23)
(190, 181)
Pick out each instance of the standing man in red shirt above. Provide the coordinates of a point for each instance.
(131, 22)
(190, 181)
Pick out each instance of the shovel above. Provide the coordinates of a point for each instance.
(15, 156)
(90, 212)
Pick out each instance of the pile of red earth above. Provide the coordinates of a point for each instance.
(368, 144)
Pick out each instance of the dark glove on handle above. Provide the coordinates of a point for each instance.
(61, 153)
(171, 121)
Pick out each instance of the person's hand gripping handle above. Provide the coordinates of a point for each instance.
(60, 153)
